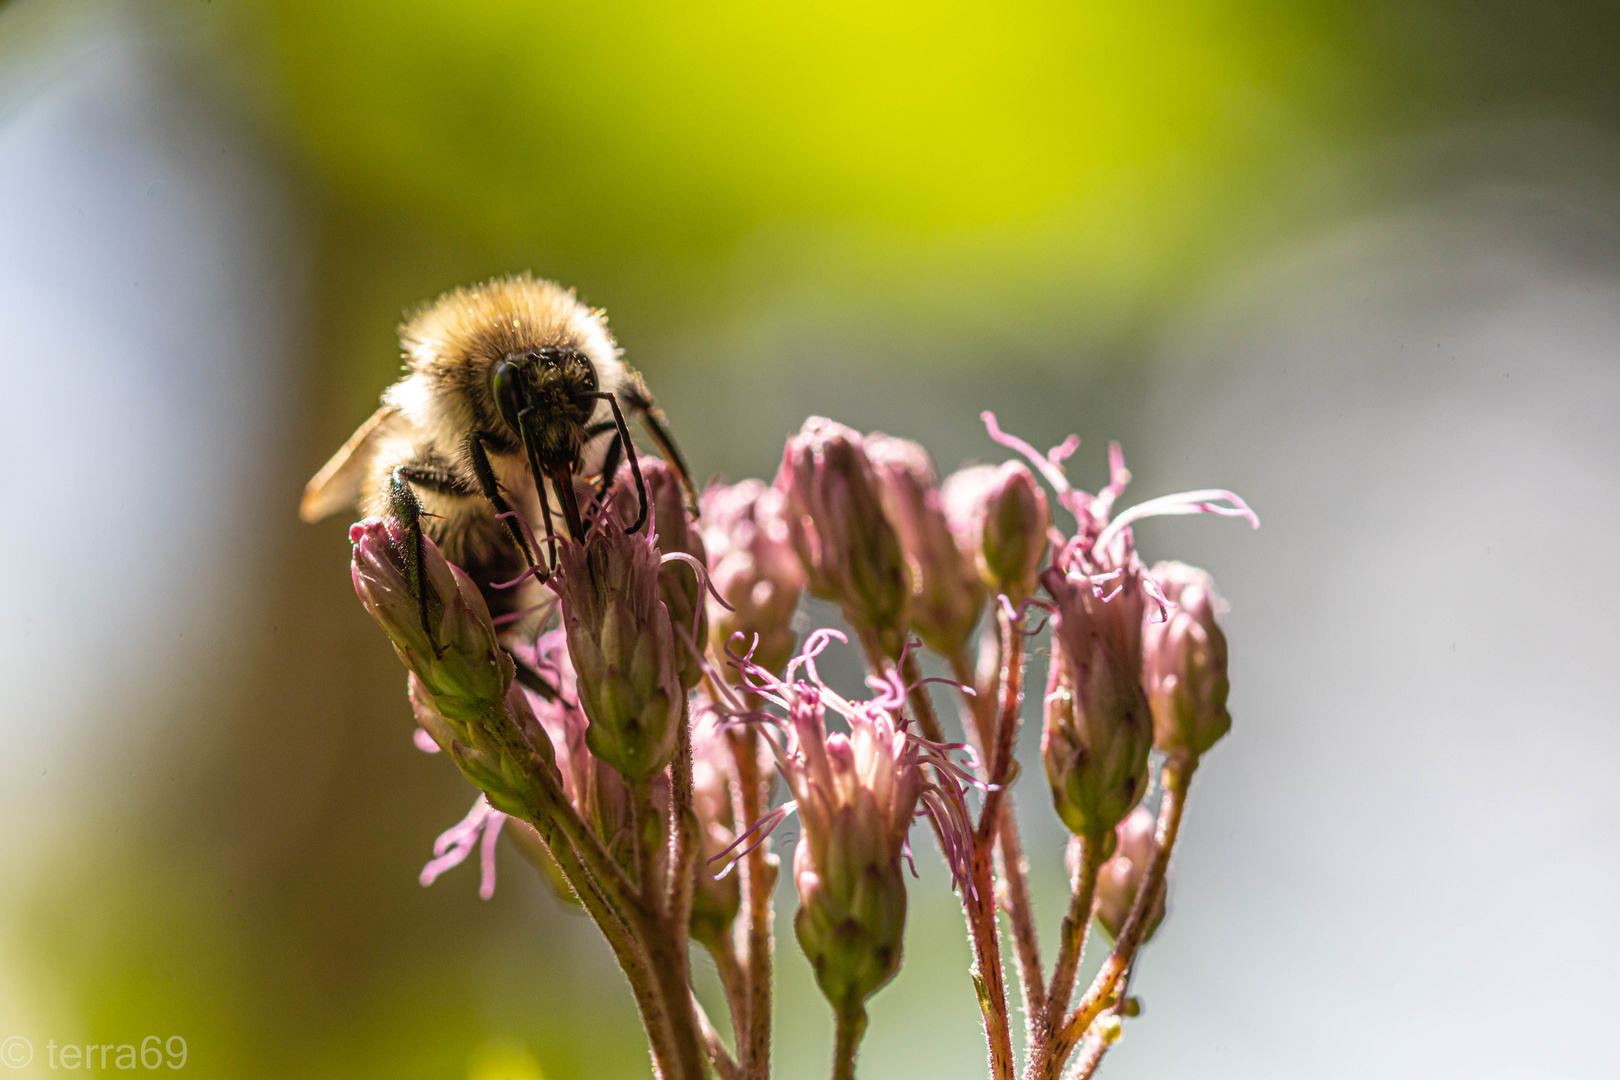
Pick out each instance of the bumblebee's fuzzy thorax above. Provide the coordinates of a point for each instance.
(454, 345)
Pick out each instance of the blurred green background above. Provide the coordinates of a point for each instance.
(1302, 250)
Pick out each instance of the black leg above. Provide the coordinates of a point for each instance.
(532, 679)
(630, 452)
(492, 491)
(610, 462)
(545, 512)
(404, 504)
(638, 400)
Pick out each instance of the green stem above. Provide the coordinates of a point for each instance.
(851, 1026)
(1104, 990)
(759, 871)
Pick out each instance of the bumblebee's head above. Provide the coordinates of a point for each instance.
(546, 395)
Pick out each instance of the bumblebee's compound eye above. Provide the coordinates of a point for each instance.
(508, 388)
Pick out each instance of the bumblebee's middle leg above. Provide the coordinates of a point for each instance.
(404, 504)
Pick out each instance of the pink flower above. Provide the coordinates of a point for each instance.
(481, 828)
(1120, 878)
(1099, 727)
(623, 649)
(680, 585)
(856, 796)
(1185, 672)
(753, 566)
(461, 664)
(835, 517)
(947, 596)
(1000, 518)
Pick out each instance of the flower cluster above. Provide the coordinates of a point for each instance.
(628, 743)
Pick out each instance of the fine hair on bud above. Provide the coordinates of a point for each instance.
(850, 550)
(947, 592)
(623, 649)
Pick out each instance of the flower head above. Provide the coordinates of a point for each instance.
(623, 649)
(599, 794)
(1098, 729)
(680, 585)
(1120, 878)
(856, 795)
(1185, 672)
(1000, 518)
(460, 662)
(947, 596)
(753, 566)
(849, 548)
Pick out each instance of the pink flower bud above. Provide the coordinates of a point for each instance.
(835, 517)
(623, 649)
(1000, 518)
(753, 565)
(599, 794)
(1098, 728)
(947, 596)
(1120, 878)
(461, 665)
(680, 586)
(714, 900)
(856, 794)
(1185, 667)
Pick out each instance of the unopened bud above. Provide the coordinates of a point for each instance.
(457, 657)
(680, 586)
(856, 795)
(753, 565)
(1098, 728)
(947, 595)
(850, 550)
(1000, 518)
(1120, 878)
(1184, 669)
(623, 650)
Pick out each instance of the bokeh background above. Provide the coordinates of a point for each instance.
(1359, 261)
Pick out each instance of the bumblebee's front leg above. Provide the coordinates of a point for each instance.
(633, 394)
(491, 488)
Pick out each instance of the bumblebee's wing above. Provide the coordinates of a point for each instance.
(338, 483)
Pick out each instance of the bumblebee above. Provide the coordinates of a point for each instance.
(512, 410)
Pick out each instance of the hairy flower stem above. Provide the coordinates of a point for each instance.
(1104, 988)
(625, 949)
(1071, 949)
(643, 855)
(1012, 870)
(683, 830)
(719, 1056)
(982, 912)
(759, 871)
(1091, 1055)
(851, 1026)
(922, 706)
(734, 981)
